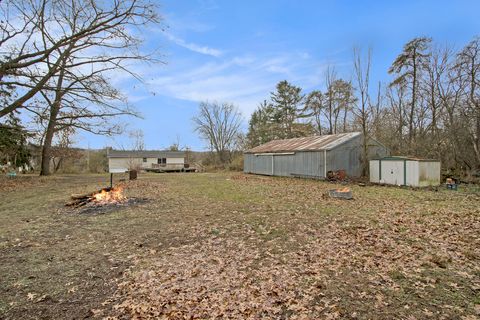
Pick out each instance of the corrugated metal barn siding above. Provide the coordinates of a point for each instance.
(346, 157)
(283, 164)
(309, 164)
(258, 164)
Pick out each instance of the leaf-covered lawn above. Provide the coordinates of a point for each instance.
(240, 246)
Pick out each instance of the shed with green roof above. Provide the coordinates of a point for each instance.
(405, 171)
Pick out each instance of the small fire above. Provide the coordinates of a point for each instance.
(113, 195)
(343, 190)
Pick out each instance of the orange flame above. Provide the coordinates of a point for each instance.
(343, 190)
(114, 195)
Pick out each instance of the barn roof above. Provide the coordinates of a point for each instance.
(313, 143)
(144, 154)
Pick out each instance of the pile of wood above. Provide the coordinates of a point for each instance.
(339, 175)
(79, 200)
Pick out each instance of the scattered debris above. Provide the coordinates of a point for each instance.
(339, 175)
(451, 184)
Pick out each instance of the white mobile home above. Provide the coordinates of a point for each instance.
(404, 171)
(146, 160)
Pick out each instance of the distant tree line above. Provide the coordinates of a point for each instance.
(430, 109)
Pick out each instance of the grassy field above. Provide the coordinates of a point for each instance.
(238, 246)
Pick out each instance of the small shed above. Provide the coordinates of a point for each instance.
(312, 157)
(405, 171)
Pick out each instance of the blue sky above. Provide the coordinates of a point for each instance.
(236, 51)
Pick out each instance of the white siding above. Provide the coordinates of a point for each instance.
(128, 163)
(123, 163)
(392, 172)
(412, 173)
(175, 160)
(429, 173)
(395, 171)
(374, 171)
(149, 162)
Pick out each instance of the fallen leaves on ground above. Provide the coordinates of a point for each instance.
(396, 262)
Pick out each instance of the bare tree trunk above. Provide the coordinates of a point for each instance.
(476, 108)
(57, 166)
(330, 124)
(362, 75)
(47, 143)
(478, 137)
(330, 79)
(414, 102)
(319, 124)
(52, 122)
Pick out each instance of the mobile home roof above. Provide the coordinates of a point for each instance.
(144, 154)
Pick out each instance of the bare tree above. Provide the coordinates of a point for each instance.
(339, 99)
(219, 124)
(137, 140)
(363, 110)
(71, 77)
(175, 145)
(450, 89)
(468, 62)
(62, 150)
(329, 110)
(49, 34)
(435, 70)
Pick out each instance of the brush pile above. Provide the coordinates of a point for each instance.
(101, 197)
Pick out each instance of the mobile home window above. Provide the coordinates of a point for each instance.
(144, 159)
(162, 160)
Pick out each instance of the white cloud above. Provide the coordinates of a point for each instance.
(186, 23)
(193, 46)
(243, 80)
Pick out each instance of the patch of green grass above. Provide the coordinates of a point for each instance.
(4, 306)
(396, 275)
(215, 232)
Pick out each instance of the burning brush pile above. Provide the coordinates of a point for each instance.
(101, 200)
(101, 197)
